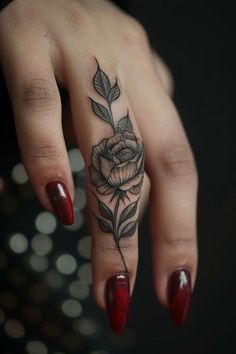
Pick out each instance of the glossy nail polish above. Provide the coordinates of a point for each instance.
(61, 201)
(118, 301)
(179, 296)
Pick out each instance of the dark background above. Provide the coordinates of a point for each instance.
(197, 40)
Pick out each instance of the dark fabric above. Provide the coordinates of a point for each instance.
(4, 3)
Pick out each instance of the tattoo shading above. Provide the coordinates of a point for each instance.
(117, 166)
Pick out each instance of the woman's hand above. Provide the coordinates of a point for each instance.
(120, 107)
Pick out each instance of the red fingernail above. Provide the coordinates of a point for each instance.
(118, 301)
(179, 294)
(61, 201)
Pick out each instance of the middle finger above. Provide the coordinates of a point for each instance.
(113, 153)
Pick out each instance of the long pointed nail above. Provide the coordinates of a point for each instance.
(61, 201)
(179, 294)
(118, 301)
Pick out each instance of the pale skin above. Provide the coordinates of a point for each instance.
(44, 44)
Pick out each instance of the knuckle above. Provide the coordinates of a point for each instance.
(179, 243)
(39, 94)
(182, 240)
(45, 151)
(19, 13)
(124, 245)
(128, 243)
(135, 34)
(177, 160)
(76, 14)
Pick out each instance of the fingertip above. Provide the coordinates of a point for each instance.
(61, 201)
(55, 191)
(179, 294)
(174, 289)
(117, 296)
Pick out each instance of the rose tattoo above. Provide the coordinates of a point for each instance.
(117, 165)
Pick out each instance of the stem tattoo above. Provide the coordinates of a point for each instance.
(117, 166)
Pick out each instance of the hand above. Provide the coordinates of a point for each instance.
(120, 107)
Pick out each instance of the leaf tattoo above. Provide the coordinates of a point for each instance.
(114, 93)
(129, 229)
(117, 165)
(124, 124)
(102, 83)
(105, 210)
(128, 212)
(104, 226)
(101, 111)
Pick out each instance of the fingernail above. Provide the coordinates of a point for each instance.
(61, 201)
(179, 294)
(118, 301)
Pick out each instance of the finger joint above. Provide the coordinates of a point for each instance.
(177, 160)
(39, 94)
(45, 151)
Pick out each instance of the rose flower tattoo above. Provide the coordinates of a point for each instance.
(117, 166)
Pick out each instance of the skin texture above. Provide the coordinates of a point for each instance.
(45, 44)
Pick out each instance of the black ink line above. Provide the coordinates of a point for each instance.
(116, 166)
